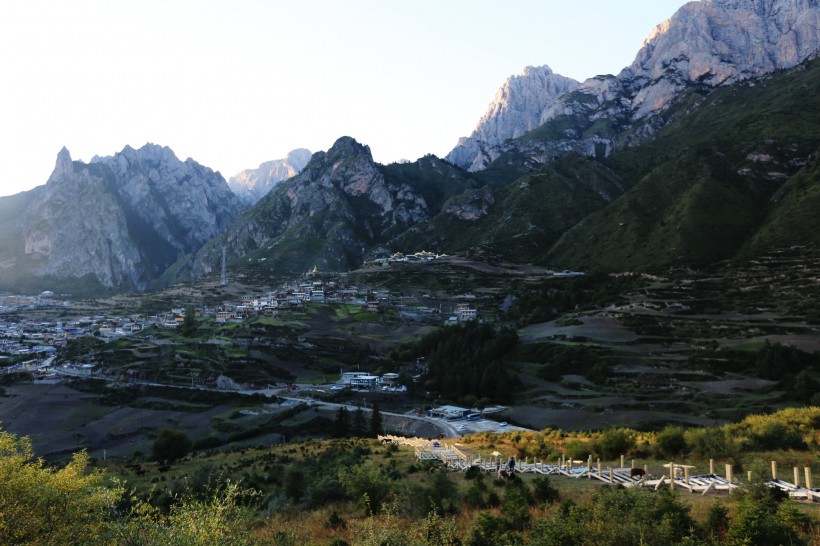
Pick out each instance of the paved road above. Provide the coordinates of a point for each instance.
(449, 429)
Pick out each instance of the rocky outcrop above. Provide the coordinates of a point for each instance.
(707, 44)
(471, 205)
(253, 184)
(516, 109)
(120, 221)
(328, 215)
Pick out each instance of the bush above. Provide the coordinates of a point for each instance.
(775, 435)
(708, 443)
(544, 492)
(579, 450)
(615, 442)
(617, 516)
(670, 442)
(41, 505)
(760, 517)
(170, 446)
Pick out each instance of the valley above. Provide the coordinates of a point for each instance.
(688, 347)
(613, 276)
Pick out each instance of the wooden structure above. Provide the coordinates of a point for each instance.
(675, 475)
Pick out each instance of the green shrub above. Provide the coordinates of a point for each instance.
(614, 442)
(670, 442)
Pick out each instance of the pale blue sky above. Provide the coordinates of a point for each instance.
(233, 84)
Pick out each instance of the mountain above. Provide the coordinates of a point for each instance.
(704, 45)
(340, 208)
(115, 223)
(735, 176)
(253, 184)
(516, 109)
(732, 174)
(519, 220)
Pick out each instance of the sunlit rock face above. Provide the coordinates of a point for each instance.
(253, 184)
(707, 43)
(122, 220)
(515, 110)
(716, 42)
(710, 43)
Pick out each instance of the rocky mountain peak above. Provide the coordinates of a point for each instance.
(515, 110)
(349, 146)
(64, 165)
(708, 43)
(723, 41)
(299, 157)
(251, 185)
(123, 219)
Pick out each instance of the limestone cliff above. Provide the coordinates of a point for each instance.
(253, 184)
(707, 44)
(117, 222)
(516, 109)
(328, 215)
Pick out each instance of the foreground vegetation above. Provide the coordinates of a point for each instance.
(356, 491)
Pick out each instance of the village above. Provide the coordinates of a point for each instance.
(33, 345)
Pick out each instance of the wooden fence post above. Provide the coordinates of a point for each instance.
(622, 461)
(807, 470)
(729, 473)
(774, 470)
(796, 477)
(599, 468)
(671, 475)
(712, 467)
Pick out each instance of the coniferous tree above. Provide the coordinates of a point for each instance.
(189, 323)
(358, 427)
(341, 425)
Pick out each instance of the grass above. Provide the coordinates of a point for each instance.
(689, 204)
(265, 467)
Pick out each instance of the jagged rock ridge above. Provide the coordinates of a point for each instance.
(516, 109)
(117, 222)
(253, 184)
(707, 44)
(338, 206)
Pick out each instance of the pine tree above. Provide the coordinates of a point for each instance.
(341, 425)
(358, 427)
(189, 325)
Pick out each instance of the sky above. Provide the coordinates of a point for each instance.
(235, 83)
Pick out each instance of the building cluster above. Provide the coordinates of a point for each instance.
(418, 257)
(18, 338)
(463, 312)
(365, 381)
(11, 303)
(295, 296)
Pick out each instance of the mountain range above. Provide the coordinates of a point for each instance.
(116, 223)
(705, 148)
(251, 185)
